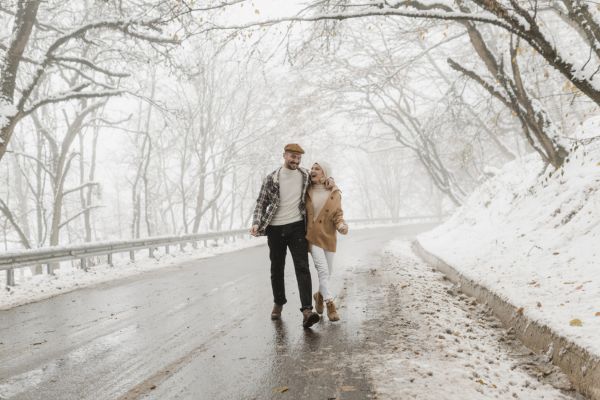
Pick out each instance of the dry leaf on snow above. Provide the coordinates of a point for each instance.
(520, 311)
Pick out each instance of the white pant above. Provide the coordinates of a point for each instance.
(323, 260)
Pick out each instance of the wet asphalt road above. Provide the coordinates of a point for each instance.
(200, 330)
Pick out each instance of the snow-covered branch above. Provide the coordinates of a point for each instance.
(38, 161)
(70, 95)
(385, 12)
(80, 187)
(90, 64)
(77, 215)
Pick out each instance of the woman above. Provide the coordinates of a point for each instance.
(324, 217)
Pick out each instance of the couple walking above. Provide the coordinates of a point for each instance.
(300, 210)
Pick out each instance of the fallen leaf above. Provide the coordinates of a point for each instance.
(348, 389)
(579, 287)
(576, 322)
(520, 311)
(281, 389)
(539, 304)
(556, 253)
(597, 314)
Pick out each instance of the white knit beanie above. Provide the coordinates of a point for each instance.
(326, 168)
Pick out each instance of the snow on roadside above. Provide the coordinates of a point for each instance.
(40, 287)
(429, 342)
(534, 239)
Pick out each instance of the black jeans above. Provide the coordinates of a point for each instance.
(280, 238)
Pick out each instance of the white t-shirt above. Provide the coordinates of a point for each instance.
(290, 195)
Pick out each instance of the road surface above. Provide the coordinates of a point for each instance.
(201, 330)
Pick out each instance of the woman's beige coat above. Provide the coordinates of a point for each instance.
(321, 231)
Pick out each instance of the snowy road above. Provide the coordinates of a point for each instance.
(201, 330)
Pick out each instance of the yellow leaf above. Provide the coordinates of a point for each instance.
(281, 389)
(347, 388)
(576, 322)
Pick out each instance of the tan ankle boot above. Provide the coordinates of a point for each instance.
(318, 302)
(332, 312)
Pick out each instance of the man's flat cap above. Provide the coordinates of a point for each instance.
(294, 148)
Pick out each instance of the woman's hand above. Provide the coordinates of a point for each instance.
(329, 183)
(342, 228)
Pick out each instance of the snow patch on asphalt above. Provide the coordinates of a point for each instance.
(432, 342)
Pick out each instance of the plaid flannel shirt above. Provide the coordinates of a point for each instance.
(268, 199)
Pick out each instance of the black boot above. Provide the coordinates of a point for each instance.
(310, 318)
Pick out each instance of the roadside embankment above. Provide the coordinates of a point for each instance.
(526, 243)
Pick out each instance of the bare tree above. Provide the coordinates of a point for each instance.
(55, 44)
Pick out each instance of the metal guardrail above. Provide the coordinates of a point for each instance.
(48, 255)
(419, 218)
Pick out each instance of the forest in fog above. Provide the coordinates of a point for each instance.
(128, 119)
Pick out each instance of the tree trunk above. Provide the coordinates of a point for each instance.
(23, 23)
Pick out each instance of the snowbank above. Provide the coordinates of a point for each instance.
(534, 239)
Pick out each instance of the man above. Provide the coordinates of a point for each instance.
(279, 214)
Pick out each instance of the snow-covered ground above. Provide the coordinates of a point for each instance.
(534, 239)
(38, 287)
(430, 342)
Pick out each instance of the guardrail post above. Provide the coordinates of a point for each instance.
(84, 264)
(167, 249)
(195, 244)
(181, 246)
(110, 260)
(10, 277)
(132, 255)
(151, 252)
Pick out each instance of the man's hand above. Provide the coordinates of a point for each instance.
(254, 230)
(342, 228)
(329, 183)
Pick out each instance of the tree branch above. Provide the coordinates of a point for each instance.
(80, 187)
(77, 215)
(91, 65)
(70, 96)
